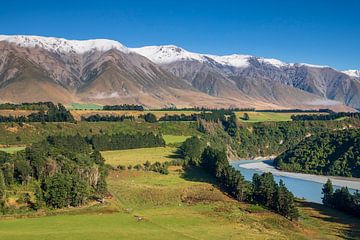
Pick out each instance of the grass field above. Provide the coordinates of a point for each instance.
(174, 139)
(268, 116)
(180, 205)
(84, 106)
(11, 149)
(139, 156)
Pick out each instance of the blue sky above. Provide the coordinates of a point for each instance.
(325, 32)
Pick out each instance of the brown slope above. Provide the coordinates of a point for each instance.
(22, 81)
(131, 78)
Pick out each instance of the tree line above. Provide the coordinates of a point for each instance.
(129, 107)
(325, 117)
(330, 153)
(262, 190)
(181, 117)
(119, 141)
(341, 199)
(106, 118)
(54, 113)
(27, 106)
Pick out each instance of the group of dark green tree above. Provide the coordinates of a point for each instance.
(53, 113)
(263, 190)
(330, 153)
(107, 118)
(27, 106)
(119, 141)
(129, 107)
(341, 199)
(177, 118)
(148, 166)
(325, 117)
(63, 171)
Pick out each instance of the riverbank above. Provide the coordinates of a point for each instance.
(266, 166)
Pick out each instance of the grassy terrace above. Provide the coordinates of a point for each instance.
(174, 139)
(269, 116)
(139, 156)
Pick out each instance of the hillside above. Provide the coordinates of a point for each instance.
(106, 72)
(330, 153)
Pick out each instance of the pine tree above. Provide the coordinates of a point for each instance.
(328, 192)
(284, 202)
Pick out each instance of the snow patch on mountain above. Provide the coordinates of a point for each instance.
(274, 62)
(63, 45)
(234, 60)
(312, 65)
(167, 54)
(352, 73)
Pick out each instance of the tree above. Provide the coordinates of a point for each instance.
(328, 192)
(39, 197)
(264, 188)
(22, 170)
(97, 157)
(191, 150)
(101, 187)
(57, 190)
(8, 171)
(147, 165)
(342, 199)
(284, 202)
(2, 192)
(150, 118)
(245, 117)
(79, 191)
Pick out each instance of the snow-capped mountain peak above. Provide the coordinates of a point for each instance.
(63, 45)
(352, 73)
(273, 61)
(167, 54)
(234, 60)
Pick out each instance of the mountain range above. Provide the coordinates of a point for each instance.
(102, 71)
